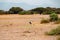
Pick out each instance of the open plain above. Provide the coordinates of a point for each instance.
(17, 27)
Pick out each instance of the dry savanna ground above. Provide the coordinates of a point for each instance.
(17, 27)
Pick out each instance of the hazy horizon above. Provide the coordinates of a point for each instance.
(28, 4)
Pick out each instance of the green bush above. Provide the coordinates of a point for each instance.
(25, 12)
(21, 13)
(54, 31)
(53, 17)
(47, 12)
(35, 13)
(44, 21)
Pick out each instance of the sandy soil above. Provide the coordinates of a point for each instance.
(17, 27)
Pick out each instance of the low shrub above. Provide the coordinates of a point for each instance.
(25, 13)
(53, 17)
(21, 13)
(54, 31)
(47, 12)
(45, 21)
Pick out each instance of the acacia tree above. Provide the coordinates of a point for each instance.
(15, 10)
(39, 10)
(2, 12)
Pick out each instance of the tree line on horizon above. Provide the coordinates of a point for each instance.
(38, 10)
